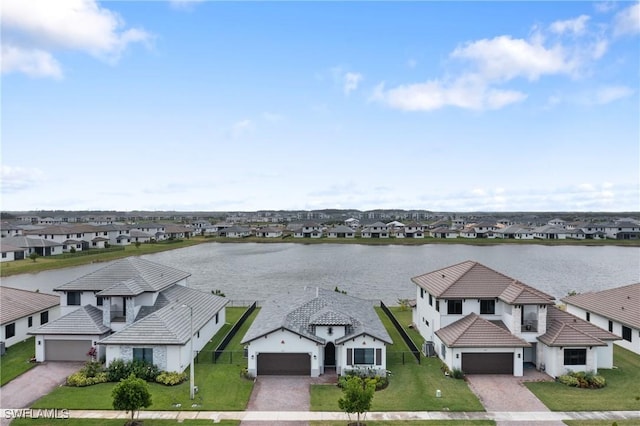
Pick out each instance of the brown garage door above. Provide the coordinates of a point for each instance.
(284, 364)
(66, 350)
(495, 363)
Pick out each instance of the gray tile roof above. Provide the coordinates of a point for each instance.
(621, 304)
(149, 276)
(565, 329)
(7, 248)
(473, 280)
(297, 310)
(171, 324)
(129, 287)
(84, 320)
(473, 331)
(16, 303)
(27, 242)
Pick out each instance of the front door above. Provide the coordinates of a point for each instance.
(330, 355)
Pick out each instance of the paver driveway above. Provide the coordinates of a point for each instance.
(25, 389)
(501, 392)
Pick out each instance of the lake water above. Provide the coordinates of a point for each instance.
(255, 271)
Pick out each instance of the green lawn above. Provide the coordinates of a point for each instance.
(116, 422)
(220, 386)
(412, 386)
(633, 422)
(621, 393)
(16, 360)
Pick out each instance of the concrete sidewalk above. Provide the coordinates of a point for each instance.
(286, 416)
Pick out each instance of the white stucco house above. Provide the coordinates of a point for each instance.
(22, 311)
(340, 231)
(131, 309)
(313, 330)
(483, 322)
(616, 309)
(375, 230)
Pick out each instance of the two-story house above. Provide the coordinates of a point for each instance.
(309, 230)
(484, 322)
(131, 309)
(375, 230)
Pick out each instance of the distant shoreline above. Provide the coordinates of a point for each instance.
(27, 266)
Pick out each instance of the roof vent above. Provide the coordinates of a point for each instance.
(442, 275)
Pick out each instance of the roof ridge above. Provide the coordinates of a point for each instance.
(473, 318)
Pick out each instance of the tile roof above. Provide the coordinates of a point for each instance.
(297, 310)
(25, 242)
(471, 279)
(129, 287)
(558, 315)
(84, 320)
(473, 331)
(621, 304)
(149, 276)
(16, 303)
(171, 323)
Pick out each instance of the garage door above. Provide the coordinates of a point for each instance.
(66, 350)
(496, 363)
(284, 364)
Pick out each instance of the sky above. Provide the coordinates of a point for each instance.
(244, 106)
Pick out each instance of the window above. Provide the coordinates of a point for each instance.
(4, 255)
(99, 301)
(438, 305)
(575, 357)
(422, 293)
(443, 351)
(10, 330)
(143, 354)
(30, 322)
(454, 307)
(626, 333)
(488, 306)
(611, 326)
(44, 317)
(430, 300)
(217, 317)
(589, 316)
(73, 298)
(363, 356)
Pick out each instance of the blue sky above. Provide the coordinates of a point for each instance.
(444, 106)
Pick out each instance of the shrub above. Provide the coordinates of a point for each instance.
(380, 382)
(581, 379)
(119, 369)
(171, 378)
(79, 379)
(568, 380)
(92, 369)
(456, 373)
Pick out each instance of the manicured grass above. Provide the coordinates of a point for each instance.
(53, 262)
(622, 392)
(221, 388)
(15, 361)
(412, 386)
(116, 422)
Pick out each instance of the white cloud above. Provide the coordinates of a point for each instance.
(504, 58)
(82, 25)
(467, 92)
(33, 62)
(19, 178)
(351, 82)
(576, 26)
(609, 94)
(184, 4)
(627, 21)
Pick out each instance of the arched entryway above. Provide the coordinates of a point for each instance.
(330, 355)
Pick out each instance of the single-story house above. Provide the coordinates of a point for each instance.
(22, 311)
(10, 253)
(616, 310)
(312, 330)
(341, 231)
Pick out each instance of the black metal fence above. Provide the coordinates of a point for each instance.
(221, 357)
(412, 346)
(225, 341)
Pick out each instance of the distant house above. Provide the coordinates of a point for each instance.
(444, 232)
(340, 231)
(177, 231)
(308, 230)
(352, 223)
(22, 311)
(10, 253)
(131, 309)
(235, 232)
(413, 230)
(155, 230)
(375, 230)
(616, 310)
(138, 236)
(37, 245)
(312, 330)
(516, 231)
(550, 232)
(269, 232)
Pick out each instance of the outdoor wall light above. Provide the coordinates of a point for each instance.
(282, 342)
(518, 355)
(251, 356)
(39, 342)
(457, 355)
(315, 357)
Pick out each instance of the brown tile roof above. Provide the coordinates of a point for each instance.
(471, 279)
(621, 304)
(555, 314)
(16, 303)
(564, 334)
(474, 331)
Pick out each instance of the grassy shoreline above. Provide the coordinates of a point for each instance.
(27, 266)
